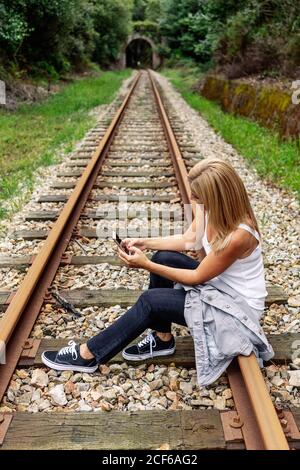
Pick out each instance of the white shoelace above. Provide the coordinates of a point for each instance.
(71, 349)
(148, 339)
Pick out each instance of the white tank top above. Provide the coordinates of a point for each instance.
(245, 276)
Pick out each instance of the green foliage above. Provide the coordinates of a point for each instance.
(34, 135)
(240, 36)
(146, 27)
(153, 11)
(53, 36)
(262, 147)
(257, 35)
(139, 10)
(112, 23)
(13, 28)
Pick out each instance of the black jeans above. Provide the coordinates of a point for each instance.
(156, 308)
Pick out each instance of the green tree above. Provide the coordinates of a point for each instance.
(139, 10)
(112, 23)
(153, 11)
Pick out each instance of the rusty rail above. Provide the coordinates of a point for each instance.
(18, 320)
(263, 428)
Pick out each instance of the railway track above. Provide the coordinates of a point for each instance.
(143, 156)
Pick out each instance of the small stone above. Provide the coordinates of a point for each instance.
(277, 381)
(5, 409)
(173, 384)
(171, 395)
(14, 385)
(294, 378)
(163, 402)
(202, 402)
(69, 387)
(227, 394)
(66, 375)
(82, 387)
(271, 371)
(58, 396)
(22, 374)
(10, 395)
(184, 373)
(25, 399)
(186, 387)
(284, 374)
(282, 394)
(76, 378)
(127, 386)
(83, 406)
(156, 384)
(116, 368)
(105, 406)
(145, 395)
(87, 378)
(294, 301)
(230, 403)
(44, 405)
(36, 396)
(95, 395)
(218, 389)
(139, 374)
(40, 378)
(164, 447)
(105, 370)
(21, 408)
(100, 324)
(110, 395)
(220, 403)
(174, 373)
(33, 408)
(149, 377)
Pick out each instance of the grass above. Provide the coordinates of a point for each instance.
(35, 135)
(275, 159)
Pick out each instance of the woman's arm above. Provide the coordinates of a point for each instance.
(191, 239)
(211, 266)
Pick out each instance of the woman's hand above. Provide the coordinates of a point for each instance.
(136, 258)
(138, 242)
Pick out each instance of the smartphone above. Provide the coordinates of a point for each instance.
(118, 241)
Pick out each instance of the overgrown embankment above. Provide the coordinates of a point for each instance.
(272, 157)
(270, 106)
(33, 135)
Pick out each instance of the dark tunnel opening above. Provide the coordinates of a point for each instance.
(139, 54)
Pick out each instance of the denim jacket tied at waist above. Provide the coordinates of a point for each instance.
(223, 326)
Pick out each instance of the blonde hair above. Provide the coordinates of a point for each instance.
(217, 185)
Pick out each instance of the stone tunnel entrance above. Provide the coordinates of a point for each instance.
(139, 54)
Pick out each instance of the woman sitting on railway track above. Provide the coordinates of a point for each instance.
(220, 297)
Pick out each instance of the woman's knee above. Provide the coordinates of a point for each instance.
(161, 257)
(148, 301)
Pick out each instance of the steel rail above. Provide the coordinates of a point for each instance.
(19, 318)
(177, 160)
(265, 430)
(268, 422)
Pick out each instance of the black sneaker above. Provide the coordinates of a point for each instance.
(68, 358)
(150, 346)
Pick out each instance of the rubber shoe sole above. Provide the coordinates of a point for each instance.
(55, 366)
(142, 357)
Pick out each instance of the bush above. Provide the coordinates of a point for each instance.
(57, 35)
(240, 36)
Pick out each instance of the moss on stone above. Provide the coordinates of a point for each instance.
(269, 106)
